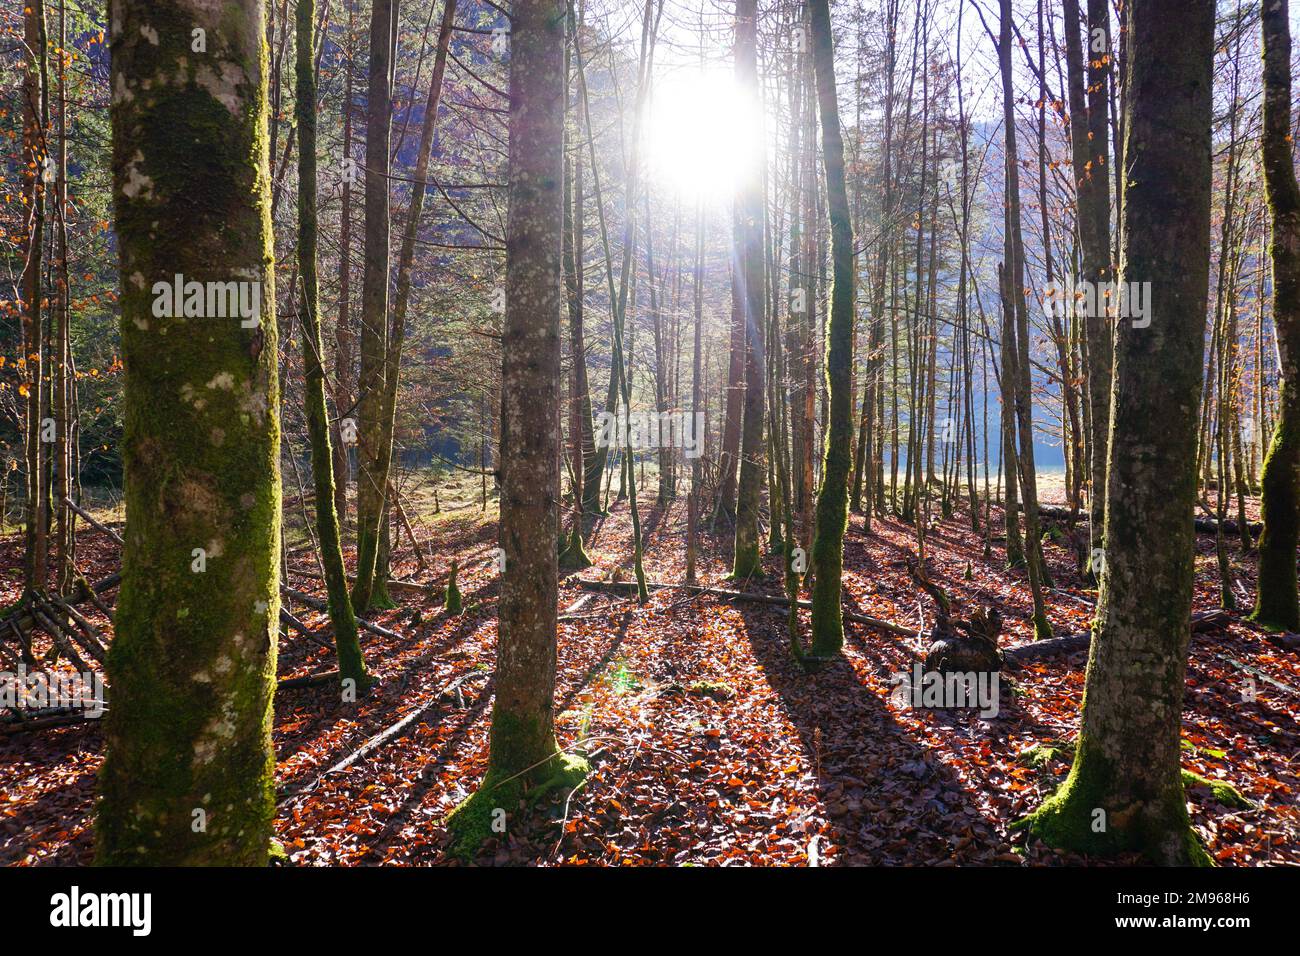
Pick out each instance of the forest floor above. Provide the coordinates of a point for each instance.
(708, 744)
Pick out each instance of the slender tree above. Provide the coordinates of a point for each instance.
(1088, 138)
(833, 495)
(36, 163)
(1276, 602)
(750, 285)
(344, 335)
(370, 589)
(523, 752)
(1016, 371)
(352, 665)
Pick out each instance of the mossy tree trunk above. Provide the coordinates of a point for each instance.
(522, 742)
(369, 591)
(1124, 791)
(751, 288)
(188, 770)
(832, 496)
(352, 665)
(1276, 602)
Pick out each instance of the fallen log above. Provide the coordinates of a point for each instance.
(384, 736)
(44, 723)
(1202, 525)
(623, 587)
(1202, 621)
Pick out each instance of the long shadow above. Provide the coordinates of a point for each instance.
(890, 801)
(398, 694)
(425, 779)
(73, 793)
(625, 619)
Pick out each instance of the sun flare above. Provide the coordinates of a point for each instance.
(703, 134)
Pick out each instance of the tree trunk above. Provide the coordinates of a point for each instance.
(523, 750)
(833, 495)
(352, 666)
(35, 163)
(1088, 136)
(1124, 791)
(344, 338)
(693, 502)
(372, 471)
(188, 771)
(751, 285)
(1276, 602)
(402, 296)
(1017, 367)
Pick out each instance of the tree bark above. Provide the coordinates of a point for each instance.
(751, 286)
(1088, 137)
(1124, 791)
(344, 337)
(192, 665)
(1017, 366)
(372, 471)
(523, 750)
(352, 665)
(833, 496)
(35, 159)
(1276, 602)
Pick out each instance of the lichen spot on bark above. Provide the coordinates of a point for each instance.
(223, 88)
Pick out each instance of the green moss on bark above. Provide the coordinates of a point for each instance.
(574, 556)
(188, 771)
(470, 825)
(833, 496)
(1222, 791)
(452, 602)
(1084, 817)
(1277, 605)
(352, 665)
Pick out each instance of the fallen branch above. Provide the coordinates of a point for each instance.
(384, 736)
(308, 680)
(95, 524)
(316, 604)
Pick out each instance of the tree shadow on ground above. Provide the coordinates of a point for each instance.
(889, 799)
